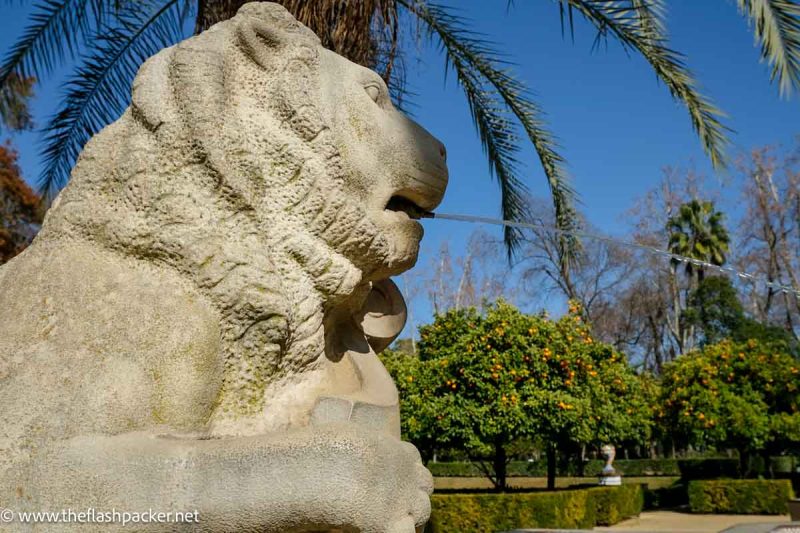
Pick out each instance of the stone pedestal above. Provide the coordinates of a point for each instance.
(610, 481)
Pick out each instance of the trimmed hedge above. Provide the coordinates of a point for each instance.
(583, 508)
(784, 464)
(740, 496)
(709, 468)
(615, 504)
(637, 467)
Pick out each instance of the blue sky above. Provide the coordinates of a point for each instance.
(617, 125)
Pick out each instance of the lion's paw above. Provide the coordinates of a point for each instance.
(393, 486)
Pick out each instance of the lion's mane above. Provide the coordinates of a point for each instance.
(244, 207)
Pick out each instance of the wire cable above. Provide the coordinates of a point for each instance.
(610, 240)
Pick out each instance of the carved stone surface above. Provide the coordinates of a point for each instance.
(195, 327)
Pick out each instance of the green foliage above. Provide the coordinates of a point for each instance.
(509, 375)
(697, 232)
(744, 396)
(777, 27)
(417, 413)
(561, 509)
(505, 512)
(715, 310)
(691, 469)
(636, 467)
(783, 464)
(615, 504)
(740, 496)
(483, 382)
(687, 469)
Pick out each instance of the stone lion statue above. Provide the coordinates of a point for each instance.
(196, 325)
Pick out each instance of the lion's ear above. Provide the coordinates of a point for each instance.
(151, 100)
(384, 314)
(262, 28)
(258, 40)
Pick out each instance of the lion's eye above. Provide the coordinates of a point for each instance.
(373, 92)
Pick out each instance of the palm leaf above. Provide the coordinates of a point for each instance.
(777, 26)
(99, 90)
(638, 25)
(56, 30)
(496, 98)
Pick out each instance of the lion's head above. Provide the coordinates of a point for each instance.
(275, 175)
(315, 138)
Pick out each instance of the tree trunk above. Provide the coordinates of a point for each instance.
(765, 457)
(582, 462)
(744, 464)
(674, 323)
(551, 467)
(500, 464)
(467, 271)
(658, 358)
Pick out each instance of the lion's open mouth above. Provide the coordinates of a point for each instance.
(404, 205)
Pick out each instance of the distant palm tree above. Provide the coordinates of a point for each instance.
(697, 232)
(116, 36)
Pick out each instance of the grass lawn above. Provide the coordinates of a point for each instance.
(466, 483)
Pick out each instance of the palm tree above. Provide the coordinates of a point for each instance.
(697, 232)
(118, 35)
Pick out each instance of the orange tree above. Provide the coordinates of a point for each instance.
(743, 395)
(418, 415)
(484, 381)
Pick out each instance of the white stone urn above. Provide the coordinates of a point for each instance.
(609, 476)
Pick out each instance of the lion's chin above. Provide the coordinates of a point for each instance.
(403, 236)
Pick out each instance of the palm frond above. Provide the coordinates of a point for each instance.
(776, 25)
(638, 25)
(99, 90)
(209, 12)
(55, 32)
(651, 15)
(494, 94)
